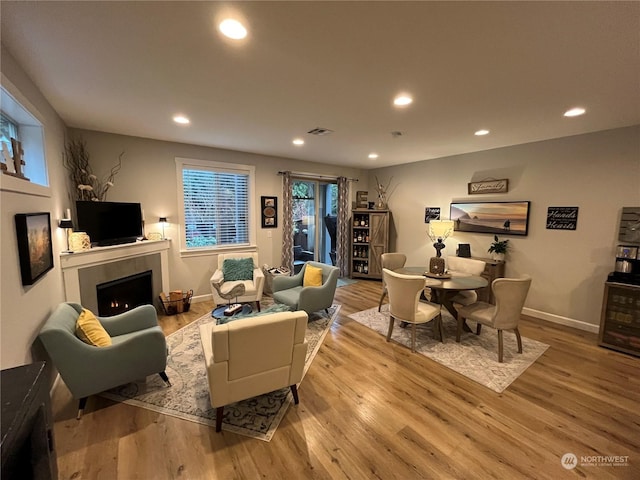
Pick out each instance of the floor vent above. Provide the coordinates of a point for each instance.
(320, 131)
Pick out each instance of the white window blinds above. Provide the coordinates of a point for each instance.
(216, 207)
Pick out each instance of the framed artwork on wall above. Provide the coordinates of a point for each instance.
(35, 249)
(505, 218)
(269, 209)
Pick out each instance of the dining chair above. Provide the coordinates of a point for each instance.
(464, 267)
(510, 295)
(404, 304)
(390, 261)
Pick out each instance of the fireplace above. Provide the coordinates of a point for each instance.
(118, 296)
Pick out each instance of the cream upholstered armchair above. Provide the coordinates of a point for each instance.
(390, 261)
(510, 294)
(251, 356)
(405, 305)
(464, 267)
(252, 279)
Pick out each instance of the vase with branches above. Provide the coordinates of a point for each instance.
(86, 185)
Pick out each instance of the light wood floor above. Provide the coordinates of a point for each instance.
(372, 409)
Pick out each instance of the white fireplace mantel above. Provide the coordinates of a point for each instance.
(72, 263)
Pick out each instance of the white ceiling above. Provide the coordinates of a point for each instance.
(510, 67)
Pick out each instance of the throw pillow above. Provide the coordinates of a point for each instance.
(90, 330)
(312, 276)
(237, 269)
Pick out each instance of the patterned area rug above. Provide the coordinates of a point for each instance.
(475, 357)
(188, 397)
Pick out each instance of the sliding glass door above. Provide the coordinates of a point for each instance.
(314, 221)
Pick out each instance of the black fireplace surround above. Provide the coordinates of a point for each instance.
(123, 294)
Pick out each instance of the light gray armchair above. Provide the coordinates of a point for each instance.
(291, 292)
(138, 349)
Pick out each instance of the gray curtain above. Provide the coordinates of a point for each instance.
(343, 234)
(287, 222)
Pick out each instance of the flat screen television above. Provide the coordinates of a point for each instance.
(109, 223)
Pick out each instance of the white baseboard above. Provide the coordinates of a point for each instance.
(201, 298)
(569, 322)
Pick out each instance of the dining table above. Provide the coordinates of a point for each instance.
(446, 286)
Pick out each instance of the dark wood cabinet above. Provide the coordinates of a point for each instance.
(493, 269)
(369, 240)
(27, 426)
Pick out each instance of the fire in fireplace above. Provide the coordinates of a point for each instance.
(118, 296)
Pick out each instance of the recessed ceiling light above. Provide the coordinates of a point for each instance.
(232, 29)
(479, 133)
(298, 141)
(402, 100)
(181, 119)
(574, 112)
(373, 155)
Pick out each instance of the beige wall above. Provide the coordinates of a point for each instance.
(598, 172)
(23, 310)
(148, 176)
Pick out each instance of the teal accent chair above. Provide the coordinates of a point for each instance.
(138, 349)
(289, 290)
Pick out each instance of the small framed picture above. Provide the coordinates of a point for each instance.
(269, 209)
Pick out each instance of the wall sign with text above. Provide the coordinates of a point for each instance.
(431, 213)
(489, 186)
(562, 218)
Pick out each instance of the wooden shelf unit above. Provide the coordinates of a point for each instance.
(369, 240)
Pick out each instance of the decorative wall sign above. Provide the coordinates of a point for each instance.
(33, 231)
(431, 213)
(505, 218)
(269, 207)
(489, 186)
(562, 218)
(361, 199)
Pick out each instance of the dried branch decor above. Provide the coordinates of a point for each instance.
(87, 186)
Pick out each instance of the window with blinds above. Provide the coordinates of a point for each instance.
(216, 205)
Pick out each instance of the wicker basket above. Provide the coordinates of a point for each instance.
(172, 305)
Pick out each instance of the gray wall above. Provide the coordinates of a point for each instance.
(148, 176)
(23, 310)
(597, 172)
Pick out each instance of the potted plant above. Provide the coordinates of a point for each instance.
(498, 248)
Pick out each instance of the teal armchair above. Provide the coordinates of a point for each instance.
(138, 349)
(289, 290)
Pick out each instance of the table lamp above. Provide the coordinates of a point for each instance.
(438, 231)
(67, 224)
(163, 221)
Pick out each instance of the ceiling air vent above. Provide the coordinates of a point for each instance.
(320, 131)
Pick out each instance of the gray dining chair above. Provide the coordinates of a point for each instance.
(390, 261)
(510, 295)
(404, 304)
